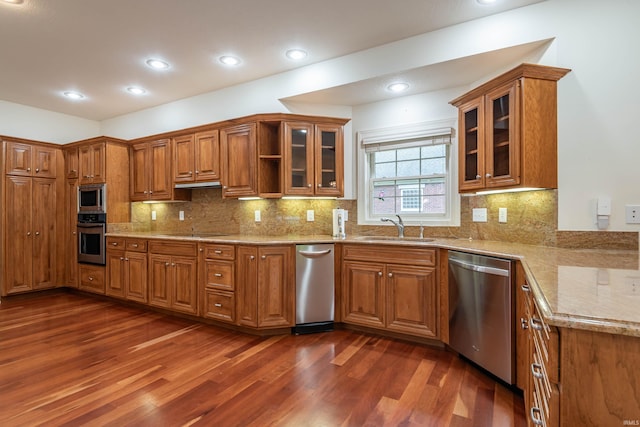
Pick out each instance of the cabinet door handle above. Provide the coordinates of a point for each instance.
(28, 233)
(145, 192)
(218, 305)
(173, 264)
(536, 416)
(536, 324)
(91, 279)
(218, 275)
(252, 257)
(197, 172)
(166, 264)
(37, 170)
(536, 370)
(135, 245)
(217, 251)
(390, 274)
(523, 323)
(126, 259)
(380, 273)
(525, 288)
(263, 257)
(488, 175)
(121, 258)
(114, 243)
(37, 233)
(319, 185)
(28, 169)
(150, 191)
(201, 250)
(478, 177)
(309, 185)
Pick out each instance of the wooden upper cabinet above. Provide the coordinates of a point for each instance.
(196, 157)
(150, 172)
(238, 155)
(314, 160)
(71, 162)
(31, 160)
(92, 164)
(508, 131)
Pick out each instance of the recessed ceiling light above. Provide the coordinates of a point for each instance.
(136, 90)
(296, 54)
(157, 64)
(73, 95)
(398, 87)
(486, 2)
(229, 60)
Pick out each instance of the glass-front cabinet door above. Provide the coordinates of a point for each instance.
(299, 139)
(471, 145)
(502, 145)
(329, 160)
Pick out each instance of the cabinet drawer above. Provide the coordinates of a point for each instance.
(187, 249)
(545, 341)
(215, 251)
(390, 254)
(220, 305)
(116, 243)
(219, 275)
(136, 245)
(92, 278)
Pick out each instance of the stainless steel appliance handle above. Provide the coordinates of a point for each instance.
(90, 225)
(480, 268)
(314, 254)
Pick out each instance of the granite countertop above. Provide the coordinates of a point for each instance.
(597, 290)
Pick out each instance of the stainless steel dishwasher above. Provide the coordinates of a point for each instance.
(314, 288)
(481, 312)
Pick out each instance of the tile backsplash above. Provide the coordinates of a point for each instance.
(531, 219)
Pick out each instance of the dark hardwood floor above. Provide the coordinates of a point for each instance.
(69, 359)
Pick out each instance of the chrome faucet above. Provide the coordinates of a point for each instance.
(398, 224)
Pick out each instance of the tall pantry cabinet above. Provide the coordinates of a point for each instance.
(29, 193)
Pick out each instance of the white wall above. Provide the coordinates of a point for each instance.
(598, 146)
(42, 125)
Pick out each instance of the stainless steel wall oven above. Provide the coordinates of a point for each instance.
(91, 239)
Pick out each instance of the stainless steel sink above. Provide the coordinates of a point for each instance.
(395, 238)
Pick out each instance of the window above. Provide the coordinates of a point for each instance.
(407, 172)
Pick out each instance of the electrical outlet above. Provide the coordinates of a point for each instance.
(181, 215)
(480, 215)
(153, 215)
(310, 215)
(502, 215)
(633, 214)
(256, 216)
(632, 285)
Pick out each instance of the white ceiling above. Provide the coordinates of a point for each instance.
(99, 47)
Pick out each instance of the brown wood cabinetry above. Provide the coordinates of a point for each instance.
(71, 161)
(30, 234)
(196, 157)
(92, 278)
(150, 172)
(265, 286)
(173, 276)
(127, 268)
(70, 236)
(238, 160)
(508, 131)
(217, 281)
(92, 163)
(391, 288)
(314, 163)
(24, 159)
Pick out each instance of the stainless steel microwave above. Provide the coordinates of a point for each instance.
(92, 198)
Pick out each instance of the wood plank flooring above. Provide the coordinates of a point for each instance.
(70, 360)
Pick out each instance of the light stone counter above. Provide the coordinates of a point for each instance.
(596, 290)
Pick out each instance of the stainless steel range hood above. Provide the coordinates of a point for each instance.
(211, 184)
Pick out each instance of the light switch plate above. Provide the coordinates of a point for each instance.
(181, 215)
(310, 215)
(480, 215)
(257, 216)
(502, 215)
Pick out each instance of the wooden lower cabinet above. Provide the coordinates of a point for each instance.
(265, 286)
(217, 282)
(173, 276)
(30, 234)
(400, 297)
(127, 269)
(92, 278)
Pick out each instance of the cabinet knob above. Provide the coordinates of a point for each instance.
(263, 257)
(114, 243)
(28, 233)
(173, 264)
(90, 279)
(197, 172)
(37, 170)
(37, 233)
(126, 259)
(166, 264)
(150, 191)
(252, 257)
(145, 192)
(121, 258)
(190, 173)
(28, 169)
(389, 274)
(73, 232)
(319, 185)
(201, 250)
(488, 175)
(309, 185)
(380, 273)
(135, 245)
(478, 177)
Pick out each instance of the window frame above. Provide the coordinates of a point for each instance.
(397, 136)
